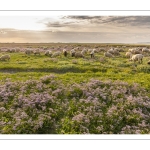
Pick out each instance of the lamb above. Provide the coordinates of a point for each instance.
(5, 57)
(137, 57)
(107, 54)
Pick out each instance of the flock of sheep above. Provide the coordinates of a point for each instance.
(134, 54)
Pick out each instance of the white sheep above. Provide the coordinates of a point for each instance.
(128, 54)
(79, 55)
(92, 53)
(90, 50)
(84, 51)
(111, 51)
(107, 54)
(5, 57)
(116, 52)
(37, 51)
(28, 51)
(48, 53)
(65, 52)
(137, 57)
(145, 50)
(135, 50)
(55, 54)
(72, 52)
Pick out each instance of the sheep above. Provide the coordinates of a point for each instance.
(145, 50)
(12, 50)
(55, 54)
(65, 52)
(37, 51)
(5, 57)
(128, 54)
(135, 50)
(79, 55)
(48, 53)
(28, 51)
(17, 49)
(116, 52)
(72, 52)
(137, 57)
(84, 51)
(90, 50)
(92, 53)
(107, 54)
(111, 51)
(102, 50)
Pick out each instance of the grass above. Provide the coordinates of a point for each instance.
(63, 98)
(22, 67)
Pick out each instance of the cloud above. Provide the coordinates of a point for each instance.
(59, 24)
(114, 20)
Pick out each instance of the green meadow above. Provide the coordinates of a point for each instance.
(69, 69)
(67, 95)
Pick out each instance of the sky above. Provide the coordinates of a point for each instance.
(75, 29)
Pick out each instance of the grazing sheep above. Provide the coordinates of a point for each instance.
(102, 50)
(12, 50)
(107, 54)
(28, 51)
(135, 50)
(111, 51)
(72, 52)
(37, 51)
(84, 51)
(65, 52)
(48, 53)
(116, 52)
(92, 53)
(137, 57)
(145, 50)
(128, 54)
(55, 54)
(17, 49)
(5, 57)
(90, 50)
(79, 55)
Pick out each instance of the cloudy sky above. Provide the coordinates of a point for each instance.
(90, 29)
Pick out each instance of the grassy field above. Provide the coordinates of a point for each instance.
(76, 73)
(23, 67)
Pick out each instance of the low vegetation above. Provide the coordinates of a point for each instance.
(40, 94)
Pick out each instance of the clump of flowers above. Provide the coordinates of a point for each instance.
(48, 106)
